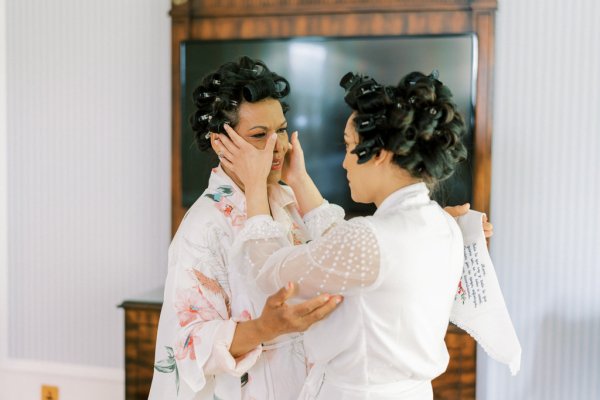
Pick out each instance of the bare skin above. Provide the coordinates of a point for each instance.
(279, 318)
(263, 127)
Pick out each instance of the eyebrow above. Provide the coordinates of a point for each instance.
(265, 128)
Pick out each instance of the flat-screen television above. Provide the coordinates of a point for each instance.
(314, 66)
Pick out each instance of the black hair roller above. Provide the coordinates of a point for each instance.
(367, 123)
(368, 148)
(258, 90)
(282, 87)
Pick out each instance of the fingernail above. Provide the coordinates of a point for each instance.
(338, 300)
(326, 298)
(289, 286)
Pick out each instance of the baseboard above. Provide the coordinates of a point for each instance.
(23, 380)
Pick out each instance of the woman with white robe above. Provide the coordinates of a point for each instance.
(398, 269)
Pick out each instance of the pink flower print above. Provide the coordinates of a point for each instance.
(245, 316)
(191, 306)
(214, 291)
(225, 207)
(238, 220)
(185, 347)
(461, 292)
(296, 234)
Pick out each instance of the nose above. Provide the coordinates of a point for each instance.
(280, 144)
(345, 162)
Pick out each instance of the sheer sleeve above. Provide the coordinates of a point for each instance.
(344, 260)
(321, 219)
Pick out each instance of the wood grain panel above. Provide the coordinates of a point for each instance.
(250, 19)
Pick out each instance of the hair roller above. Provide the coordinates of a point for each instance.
(258, 89)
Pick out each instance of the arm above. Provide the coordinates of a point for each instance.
(203, 327)
(344, 260)
(294, 174)
(200, 332)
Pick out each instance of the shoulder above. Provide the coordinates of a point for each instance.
(202, 220)
(415, 220)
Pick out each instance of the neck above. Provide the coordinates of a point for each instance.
(393, 184)
(234, 178)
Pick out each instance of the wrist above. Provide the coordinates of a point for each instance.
(299, 181)
(264, 332)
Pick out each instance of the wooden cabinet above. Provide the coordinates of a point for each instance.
(141, 324)
(253, 19)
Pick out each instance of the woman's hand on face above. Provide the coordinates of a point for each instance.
(251, 165)
(279, 318)
(294, 168)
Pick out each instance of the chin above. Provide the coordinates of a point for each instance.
(358, 199)
(274, 177)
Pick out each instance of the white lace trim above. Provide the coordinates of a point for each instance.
(320, 219)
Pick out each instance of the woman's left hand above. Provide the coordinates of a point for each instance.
(251, 165)
(457, 211)
(294, 168)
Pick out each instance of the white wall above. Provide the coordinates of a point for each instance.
(545, 191)
(88, 199)
(88, 190)
(3, 190)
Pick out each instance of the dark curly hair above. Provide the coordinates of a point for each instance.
(221, 93)
(416, 120)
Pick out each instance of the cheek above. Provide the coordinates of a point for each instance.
(283, 144)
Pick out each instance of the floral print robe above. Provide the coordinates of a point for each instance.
(205, 296)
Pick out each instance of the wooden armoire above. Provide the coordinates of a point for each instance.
(256, 19)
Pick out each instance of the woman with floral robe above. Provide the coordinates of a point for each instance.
(213, 342)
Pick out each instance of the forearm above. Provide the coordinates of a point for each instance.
(248, 335)
(307, 194)
(257, 200)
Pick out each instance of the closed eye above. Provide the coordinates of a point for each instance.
(258, 135)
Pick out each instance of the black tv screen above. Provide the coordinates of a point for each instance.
(314, 66)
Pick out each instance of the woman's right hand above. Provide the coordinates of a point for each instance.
(279, 318)
(251, 165)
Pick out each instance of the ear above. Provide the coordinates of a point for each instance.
(383, 157)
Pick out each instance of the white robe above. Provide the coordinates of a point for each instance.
(398, 271)
(205, 296)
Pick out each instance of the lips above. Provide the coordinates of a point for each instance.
(276, 165)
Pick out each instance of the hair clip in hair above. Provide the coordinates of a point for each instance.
(357, 87)
(434, 75)
(206, 95)
(368, 89)
(368, 148)
(234, 103)
(399, 105)
(368, 122)
(432, 111)
(207, 136)
(412, 100)
(205, 117)
(216, 82)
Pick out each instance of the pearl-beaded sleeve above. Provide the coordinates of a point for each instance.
(321, 219)
(344, 260)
